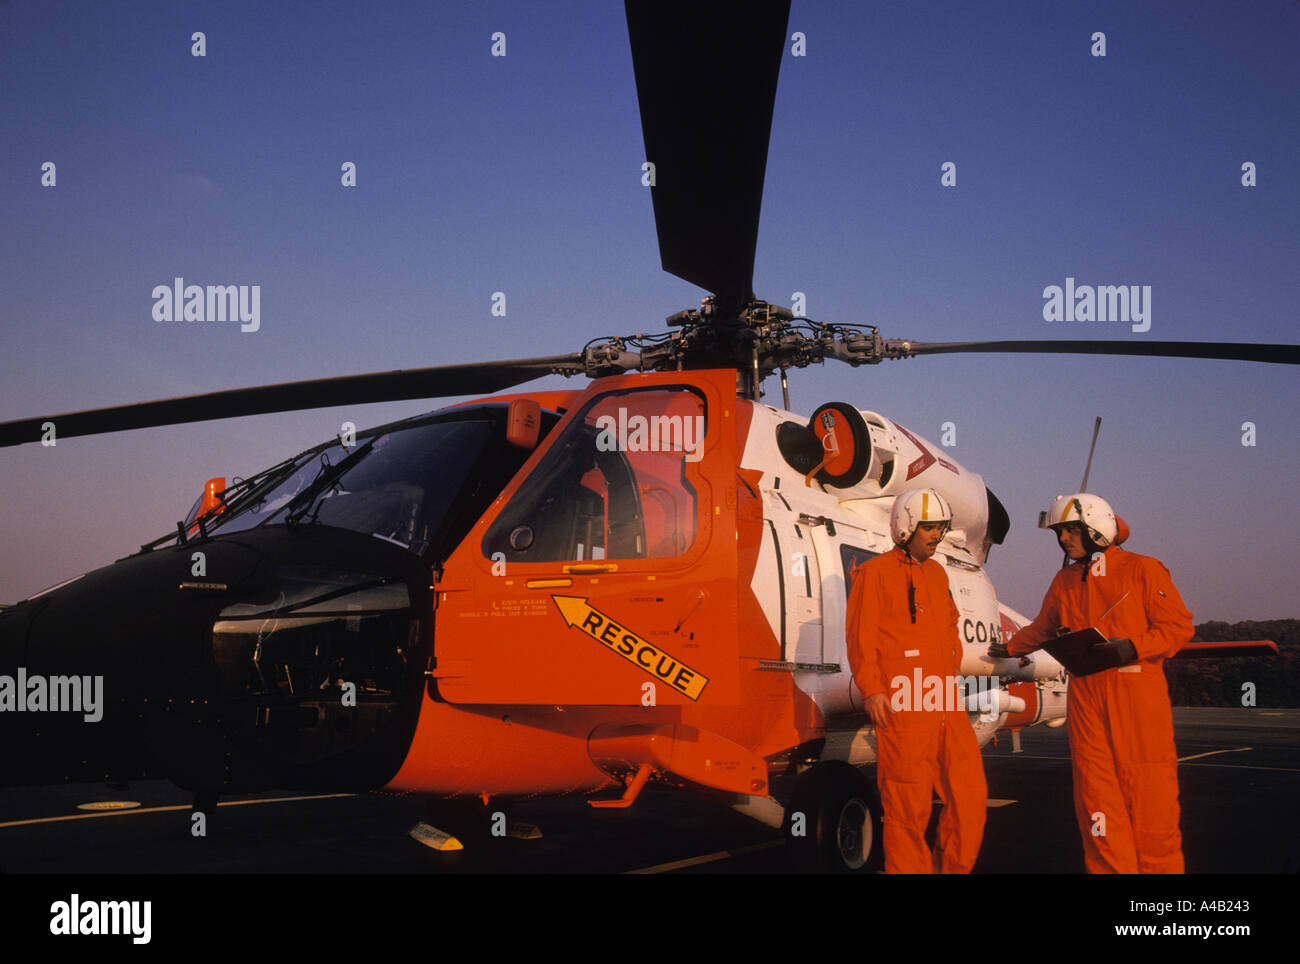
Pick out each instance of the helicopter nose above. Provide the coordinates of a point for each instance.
(99, 667)
(228, 664)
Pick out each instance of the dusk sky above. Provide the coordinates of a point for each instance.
(521, 174)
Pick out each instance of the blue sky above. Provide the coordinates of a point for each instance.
(521, 174)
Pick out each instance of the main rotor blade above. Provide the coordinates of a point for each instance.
(706, 81)
(1227, 350)
(440, 382)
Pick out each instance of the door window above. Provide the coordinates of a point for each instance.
(615, 485)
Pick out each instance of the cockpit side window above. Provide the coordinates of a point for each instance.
(614, 486)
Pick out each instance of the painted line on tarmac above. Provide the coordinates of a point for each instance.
(706, 858)
(1242, 766)
(1221, 766)
(128, 813)
(1197, 756)
(1025, 756)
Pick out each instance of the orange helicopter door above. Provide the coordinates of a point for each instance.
(605, 573)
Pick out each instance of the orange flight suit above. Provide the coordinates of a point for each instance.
(1120, 724)
(919, 751)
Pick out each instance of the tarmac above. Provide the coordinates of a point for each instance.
(332, 871)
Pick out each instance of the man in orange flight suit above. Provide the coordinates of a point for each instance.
(1120, 724)
(901, 618)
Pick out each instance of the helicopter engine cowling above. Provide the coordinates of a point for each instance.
(909, 461)
(898, 460)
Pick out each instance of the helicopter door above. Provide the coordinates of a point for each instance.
(818, 597)
(831, 591)
(804, 596)
(606, 571)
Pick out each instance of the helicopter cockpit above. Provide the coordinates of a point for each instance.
(418, 484)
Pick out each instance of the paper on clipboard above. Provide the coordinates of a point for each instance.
(1074, 652)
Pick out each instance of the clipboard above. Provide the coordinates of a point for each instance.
(1074, 652)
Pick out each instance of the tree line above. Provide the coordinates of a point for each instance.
(1222, 680)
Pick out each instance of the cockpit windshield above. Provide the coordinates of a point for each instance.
(418, 486)
(251, 512)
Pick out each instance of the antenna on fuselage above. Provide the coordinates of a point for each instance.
(1096, 428)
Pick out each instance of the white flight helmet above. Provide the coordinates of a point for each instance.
(914, 507)
(1095, 513)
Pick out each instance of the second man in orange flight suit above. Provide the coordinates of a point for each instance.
(1120, 723)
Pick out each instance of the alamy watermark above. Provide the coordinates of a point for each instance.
(77, 917)
(1128, 304)
(182, 302)
(945, 694)
(53, 694)
(651, 433)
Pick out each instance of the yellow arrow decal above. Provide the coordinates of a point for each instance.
(577, 612)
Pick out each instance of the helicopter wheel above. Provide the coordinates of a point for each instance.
(841, 829)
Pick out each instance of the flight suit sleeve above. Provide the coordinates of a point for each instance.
(1168, 619)
(1044, 626)
(862, 633)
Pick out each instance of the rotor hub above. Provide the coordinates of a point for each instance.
(757, 338)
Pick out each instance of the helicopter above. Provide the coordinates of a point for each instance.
(555, 592)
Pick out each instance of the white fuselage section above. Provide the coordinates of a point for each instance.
(814, 535)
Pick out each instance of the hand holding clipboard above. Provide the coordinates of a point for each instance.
(1087, 651)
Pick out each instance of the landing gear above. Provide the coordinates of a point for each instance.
(833, 823)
